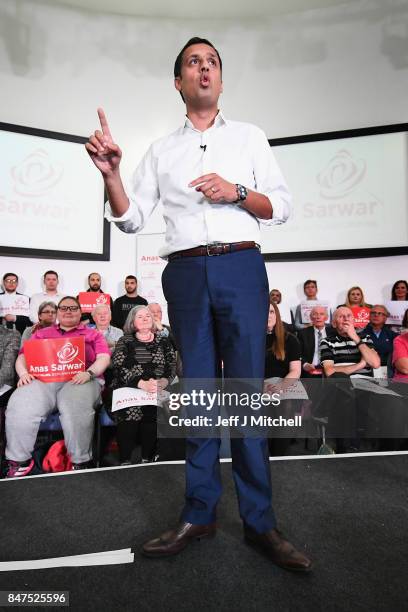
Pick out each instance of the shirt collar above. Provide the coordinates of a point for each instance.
(218, 122)
(65, 331)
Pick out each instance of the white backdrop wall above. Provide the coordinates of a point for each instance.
(315, 71)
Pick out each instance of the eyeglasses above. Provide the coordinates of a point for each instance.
(71, 308)
(12, 281)
(48, 312)
(375, 312)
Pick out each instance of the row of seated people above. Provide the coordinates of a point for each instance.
(122, 305)
(15, 319)
(141, 356)
(339, 353)
(144, 356)
(354, 299)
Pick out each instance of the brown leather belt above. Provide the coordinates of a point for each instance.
(217, 248)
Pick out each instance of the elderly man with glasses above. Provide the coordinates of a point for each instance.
(382, 336)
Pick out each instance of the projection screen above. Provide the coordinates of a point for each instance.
(350, 195)
(51, 196)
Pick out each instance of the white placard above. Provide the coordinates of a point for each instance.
(126, 397)
(296, 391)
(306, 308)
(19, 306)
(397, 310)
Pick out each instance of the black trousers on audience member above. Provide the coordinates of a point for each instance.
(147, 427)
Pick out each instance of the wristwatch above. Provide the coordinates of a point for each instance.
(91, 374)
(242, 194)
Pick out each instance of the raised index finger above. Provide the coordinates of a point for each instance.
(104, 123)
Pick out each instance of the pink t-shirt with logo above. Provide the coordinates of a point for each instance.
(95, 343)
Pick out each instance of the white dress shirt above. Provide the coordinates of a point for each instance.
(38, 298)
(237, 152)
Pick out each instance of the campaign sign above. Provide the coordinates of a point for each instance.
(19, 306)
(306, 309)
(90, 299)
(397, 309)
(55, 359)
(361, 316)
(126, 397)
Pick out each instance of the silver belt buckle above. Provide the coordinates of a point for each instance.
(214, 244)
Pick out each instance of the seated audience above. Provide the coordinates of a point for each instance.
(144, 361)
(75, 400)
(50, 294)
(282, 360)
(124, 304)
(381, 335)
(346, 353)
(102, 315)
(94, 286)
(7, 303)
(46, 316)
(310, 339)
(399, 291)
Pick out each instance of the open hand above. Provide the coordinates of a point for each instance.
(105, 154)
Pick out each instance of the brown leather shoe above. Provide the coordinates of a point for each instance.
(279, 550)
(174, 541)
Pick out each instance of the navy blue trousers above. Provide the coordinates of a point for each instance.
(218, 309)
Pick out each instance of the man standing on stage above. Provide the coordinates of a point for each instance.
(217, 180)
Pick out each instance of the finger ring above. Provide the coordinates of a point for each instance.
(213, 189)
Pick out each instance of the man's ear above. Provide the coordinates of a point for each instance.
(177, 83)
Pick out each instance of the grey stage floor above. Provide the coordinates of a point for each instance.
(349, 513)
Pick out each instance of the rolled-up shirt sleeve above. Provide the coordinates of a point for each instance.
(143, 195)
(269, 180)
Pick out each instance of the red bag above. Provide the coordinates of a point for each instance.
(57, 459)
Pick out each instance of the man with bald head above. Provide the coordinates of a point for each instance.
(347, 352)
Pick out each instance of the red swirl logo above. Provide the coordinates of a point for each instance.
(67, 353)
(102, 299)
(341, 175)
(36, 174)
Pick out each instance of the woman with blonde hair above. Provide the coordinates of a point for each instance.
(355, 297)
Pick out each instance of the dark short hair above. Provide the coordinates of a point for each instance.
(50, 272)
(69, 297)
(10, 274)
(131, 277)
(196, 40)
(309, 281)
(92, 273)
